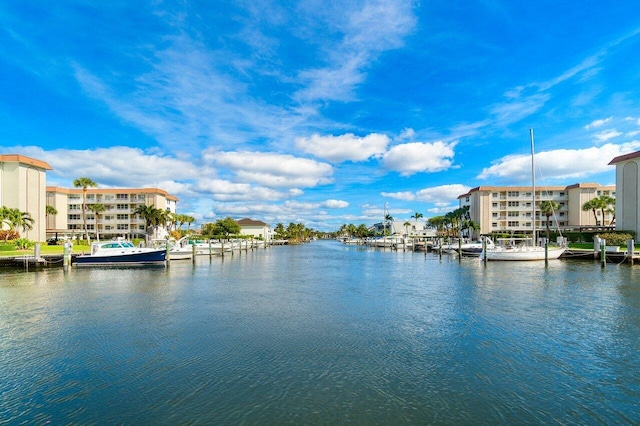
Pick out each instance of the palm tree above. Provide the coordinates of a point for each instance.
(15, 219)
(152, 217)
(97, 209)
(406, 227)
(548, 207)
(83, 183)
(604, 203)
(388, 219)
(416, 216)
(591, 205)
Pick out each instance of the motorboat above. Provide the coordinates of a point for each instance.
(120, 253)
(522, 252)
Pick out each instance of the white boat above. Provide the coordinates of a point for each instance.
(120, 253)
(353, 240)
(468, 248)
(523, 251)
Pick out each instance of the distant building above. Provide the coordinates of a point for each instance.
(509, 208)
(22, 186)
(415, 228)
(118, 218)
(628, 184)
(256, 228)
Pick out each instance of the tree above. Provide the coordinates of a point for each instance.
(50, 210)
(388, 219)
(604, 204)
(279, 230)
(83, 183)
(591, 205)
(416, 216)
(226, 227)
(152, 216)
(15, 219)
(547, 208)
(97, 209)
(406, 225)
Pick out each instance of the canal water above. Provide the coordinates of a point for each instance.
(322, 333)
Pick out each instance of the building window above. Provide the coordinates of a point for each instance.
(122, 206)
(514, 223)
(74, 207)
(513, 214)
(466, 199)
(494, 205)
(123, 217)
(74, 227)
(123, 226)
(494, 195)
(514, 203)
(74, 217)
(494, 224)
(495, 214)
(513, 194)
(122, 196)
(562, 194)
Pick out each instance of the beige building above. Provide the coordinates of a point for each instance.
(22, 186)
(118, 218)
(628, 184)
(509, 208)
(256, 228)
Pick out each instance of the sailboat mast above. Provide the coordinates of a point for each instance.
(533, 188)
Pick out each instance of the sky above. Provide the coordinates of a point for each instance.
(320, 112)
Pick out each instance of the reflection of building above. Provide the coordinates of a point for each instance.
(117, 219)
(256, 228)
(628, 184)
(22, 186)
(415, 228)
(508, 208)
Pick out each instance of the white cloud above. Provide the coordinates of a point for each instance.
(346, 147)
(404, 195)
(606, 135)
(270, 169)
(415, 157)
(558, 164)
(223, 190)
(444, 194)
(598, 123)
(335, 204)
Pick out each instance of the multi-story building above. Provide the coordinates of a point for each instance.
(628, 182)
(22, 186)
(118, 218)
(510, 208)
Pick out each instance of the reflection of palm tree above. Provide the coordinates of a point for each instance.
(548, 207)
(83, 183)
(97, 209)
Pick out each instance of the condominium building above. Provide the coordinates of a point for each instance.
(509, 208)
(118, 218)
(22, 186)
(628, 182)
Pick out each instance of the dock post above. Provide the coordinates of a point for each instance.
(603, 253)
(484, 251)
(167, 247)
(193, 253)
(66, 256)
(546, 251)
(630, 248)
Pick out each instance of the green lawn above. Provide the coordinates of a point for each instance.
(44, 249)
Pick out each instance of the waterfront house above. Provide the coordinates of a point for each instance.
(255, 228)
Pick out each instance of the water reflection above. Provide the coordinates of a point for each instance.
(322, 333)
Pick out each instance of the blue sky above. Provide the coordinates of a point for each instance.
(320, 112)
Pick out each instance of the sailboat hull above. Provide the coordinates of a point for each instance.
(523, 253)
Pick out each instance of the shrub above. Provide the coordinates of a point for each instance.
(615, 238)
(23, 244)
(9, 235)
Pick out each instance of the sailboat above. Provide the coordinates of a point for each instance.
(522, 251)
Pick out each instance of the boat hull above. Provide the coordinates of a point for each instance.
(151, 257)
(527, 253)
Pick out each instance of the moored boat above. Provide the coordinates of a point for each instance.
(121, 253)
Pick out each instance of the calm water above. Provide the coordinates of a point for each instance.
(322, 334)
